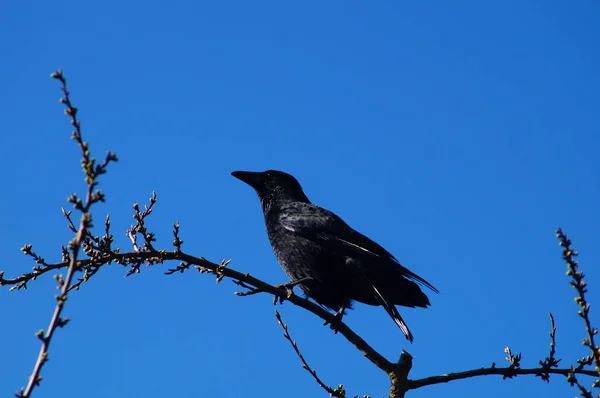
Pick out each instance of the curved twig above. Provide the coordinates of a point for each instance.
(505, 371)
(337, 392)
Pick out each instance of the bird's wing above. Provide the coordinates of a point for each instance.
(323, 226)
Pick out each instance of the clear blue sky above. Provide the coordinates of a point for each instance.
(457, 136)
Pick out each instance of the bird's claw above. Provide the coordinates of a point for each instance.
(289, 289)
(289, 293)
(336, 322)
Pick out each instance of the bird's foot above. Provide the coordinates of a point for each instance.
(337, 320)
(289, 288)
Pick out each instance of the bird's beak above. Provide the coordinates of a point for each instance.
(251, 178)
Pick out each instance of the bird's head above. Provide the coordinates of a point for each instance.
(272, 186)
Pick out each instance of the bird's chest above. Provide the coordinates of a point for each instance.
(289, 247)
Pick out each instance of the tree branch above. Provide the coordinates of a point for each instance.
(506, 372)
(92, 197)
(203, 265)
(399, 376)
(569, 254)
(337, 392)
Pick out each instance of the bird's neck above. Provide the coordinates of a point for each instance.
(271, 203)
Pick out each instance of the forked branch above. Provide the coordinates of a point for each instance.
(91, 172)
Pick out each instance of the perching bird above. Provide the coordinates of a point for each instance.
(335, 263)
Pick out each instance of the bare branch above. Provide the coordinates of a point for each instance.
(134, 259)
(140, 226)
(337, 392)
(577, 276)
(399, 376)
(151, 256)
(580, 285)
(506, 372)
(91, 174)
(548, 366)
(258, 286)
(550, 361)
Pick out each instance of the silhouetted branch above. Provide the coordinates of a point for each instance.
(577, 276)
(148, 254)
(140, 228)
(338, 392)
(399, 376)
(134, 259)
(91, 172)
(401, 383)
(550, 361)
(506, 372)
(580, 285)
(548, 367)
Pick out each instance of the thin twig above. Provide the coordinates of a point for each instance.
(550, 361)
(580, 285)
(338, 392)
(506, 372)
(140, 226)
(569, 254)
(56, 320)
(92, 197)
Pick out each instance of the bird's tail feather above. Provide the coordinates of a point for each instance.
(393, 312)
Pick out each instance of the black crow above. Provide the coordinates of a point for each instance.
(331, 263)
